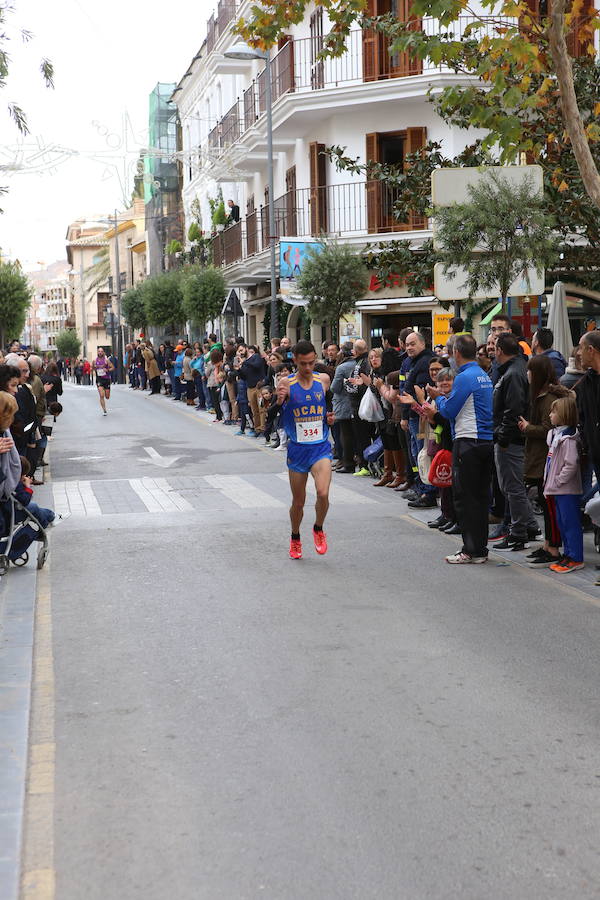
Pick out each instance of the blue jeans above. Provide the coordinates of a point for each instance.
(416, 444)
(176, 384)
(207, 394)
(44, 516)
(569, 521)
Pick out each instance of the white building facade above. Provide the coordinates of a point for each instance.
(370, 103)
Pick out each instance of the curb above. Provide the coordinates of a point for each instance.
(18, 591)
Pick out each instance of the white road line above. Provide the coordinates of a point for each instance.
(161, 494)
(337, 493)
(61, 504)
(180, 502)
(147, 498)
(92, 507)
(240, 492)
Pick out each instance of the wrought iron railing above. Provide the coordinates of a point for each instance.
(335, 210)
(297, 67)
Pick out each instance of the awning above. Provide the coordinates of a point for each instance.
(493, 312)
(140, 247)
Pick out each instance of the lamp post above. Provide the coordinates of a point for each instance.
(245, 52)
(114, 222)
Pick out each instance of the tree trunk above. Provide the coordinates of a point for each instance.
(568, 100)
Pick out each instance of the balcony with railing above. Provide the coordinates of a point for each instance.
(298, 68)
(354, 208)
(218, 23)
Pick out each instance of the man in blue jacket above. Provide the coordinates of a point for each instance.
(469, 409)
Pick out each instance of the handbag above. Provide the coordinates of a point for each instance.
(424, 465)
(370, 408)
(440, 472)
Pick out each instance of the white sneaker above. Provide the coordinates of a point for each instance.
(463, 559)
(104, 413)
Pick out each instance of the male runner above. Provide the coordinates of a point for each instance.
(103, 367)
(306, 420)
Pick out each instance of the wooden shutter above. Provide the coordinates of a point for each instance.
(402, 64)
(373, 187)
(370, 46)
(318, 190)
(578, 40)
(290, 201)
(416, 138)
(282, 67)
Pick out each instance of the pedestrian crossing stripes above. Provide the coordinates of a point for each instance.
(177, 494)
(337, 493)
(240, 491)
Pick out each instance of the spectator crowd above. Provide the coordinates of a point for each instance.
(29, 406)
(497, 434)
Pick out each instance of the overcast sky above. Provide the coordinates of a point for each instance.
(108, 57)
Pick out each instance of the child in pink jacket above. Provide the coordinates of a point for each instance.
(562, 482)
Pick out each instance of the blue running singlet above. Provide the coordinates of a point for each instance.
(305, 423)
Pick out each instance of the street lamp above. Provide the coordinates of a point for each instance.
(117, 288)
(245, 52)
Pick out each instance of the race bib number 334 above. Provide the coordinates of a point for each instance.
(309, 432)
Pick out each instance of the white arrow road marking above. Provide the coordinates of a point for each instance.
(163, 461)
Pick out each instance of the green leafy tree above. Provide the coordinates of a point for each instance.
(496, 236)
(204, 292)
(163, 299)
(503, 40)
(333, 278)
(68, 344)
(133, 307)
(15, 297)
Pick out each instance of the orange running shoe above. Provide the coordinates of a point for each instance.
(566, 565)
(295, 549)
(320, 539)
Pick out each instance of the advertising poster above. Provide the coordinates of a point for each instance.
(291, 257)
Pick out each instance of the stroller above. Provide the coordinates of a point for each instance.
(22, 529)
(373, 456)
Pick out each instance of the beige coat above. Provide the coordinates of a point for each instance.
(152, 369)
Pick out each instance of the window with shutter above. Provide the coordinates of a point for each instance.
(377, 62)
(318, 189)
(373, 187)
(290, 202)
(391, 148)
(317, 70)
(577, 42)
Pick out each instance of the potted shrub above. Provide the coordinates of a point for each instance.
(219, 216)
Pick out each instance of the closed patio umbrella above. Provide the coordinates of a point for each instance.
(558, 320)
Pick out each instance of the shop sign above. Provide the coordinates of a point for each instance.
(441, 328)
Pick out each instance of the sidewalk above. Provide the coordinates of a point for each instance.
(583, 579)
(17, 614)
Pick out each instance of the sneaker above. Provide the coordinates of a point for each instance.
(510, 544)
(533, 533)
(104, 413)
(362, 473)
(320, 539)
(542, 560)
(423, 502)
(497, 533)
(463, 559)
(239, 432)
(535, 553)
(251, 432)
(295, 549)
(566, 565)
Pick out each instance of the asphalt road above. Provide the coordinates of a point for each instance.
(232, 724)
